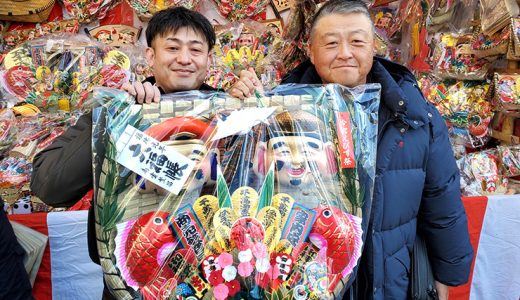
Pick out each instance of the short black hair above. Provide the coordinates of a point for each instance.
(340, 7)
(175, 18)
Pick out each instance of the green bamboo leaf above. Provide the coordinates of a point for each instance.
(224, 198)
(266, 191)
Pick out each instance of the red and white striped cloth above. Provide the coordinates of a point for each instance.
(494, 228)
(66, 271)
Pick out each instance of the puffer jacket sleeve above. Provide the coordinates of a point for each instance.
(62, 172)
(442, 217)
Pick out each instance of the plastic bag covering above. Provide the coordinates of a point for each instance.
(59, 72)
(241, 46)
(8, 130)
(464, 107)
(14, 38)
(272, 210)
(510, 160)
(480, 174)
(239, 10)
(88, 11)
(146, 9)
(454, 58)
(455, 16)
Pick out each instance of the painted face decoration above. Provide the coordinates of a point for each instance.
(297, 149)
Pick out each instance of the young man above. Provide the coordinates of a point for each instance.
(417, 181)
(179, 50)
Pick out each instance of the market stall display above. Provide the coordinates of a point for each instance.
(465, 56)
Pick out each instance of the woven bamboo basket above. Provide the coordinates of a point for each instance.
(491, 50)
(514, 44)
(34, 11)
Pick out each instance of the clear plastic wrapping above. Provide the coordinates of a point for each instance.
(58, 72)
(480, 174)
(464, 106)
(146, 9)
(245, 46)
(453, 57)
(88, 11)
(266, 198)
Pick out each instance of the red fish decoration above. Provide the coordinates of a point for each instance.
(340, 233)
(145, 244)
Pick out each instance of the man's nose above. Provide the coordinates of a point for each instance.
(184, 57)
(345, 50)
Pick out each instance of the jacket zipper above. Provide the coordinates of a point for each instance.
(379, 135)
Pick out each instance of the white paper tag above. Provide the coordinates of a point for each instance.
(152, 160)
(241, 121)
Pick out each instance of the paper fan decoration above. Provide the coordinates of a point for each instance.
(146, 8)
(88, 11)
(235, 10)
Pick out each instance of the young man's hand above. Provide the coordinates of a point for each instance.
(143, 92)
(246, 85)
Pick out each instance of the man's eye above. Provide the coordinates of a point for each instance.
(173, 48)
(196, 50)
(331, 43)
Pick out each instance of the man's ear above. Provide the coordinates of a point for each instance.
(210, 57)
(311, 54)
(150, 56)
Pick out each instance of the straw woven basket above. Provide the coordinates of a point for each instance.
(497, 48)
(25, 10)
(514, 44)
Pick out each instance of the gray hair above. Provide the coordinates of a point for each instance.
(341, 7)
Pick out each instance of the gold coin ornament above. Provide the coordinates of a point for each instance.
(212, 248)
(118, 58)
(205, 208)
(222, 222)
(269, 217)
(245, 201)
(283, 203)
(17, 57)
(283, 246)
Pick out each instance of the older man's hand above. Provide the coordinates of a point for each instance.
(443, 290)
(246, 85)
(143, 92)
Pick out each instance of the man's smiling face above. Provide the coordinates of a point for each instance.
(180, 60)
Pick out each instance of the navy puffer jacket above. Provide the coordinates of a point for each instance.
(417, 186)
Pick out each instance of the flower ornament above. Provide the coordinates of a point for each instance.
(229, 273)
(225, 259)
(245, 256)
(245, 269)
(221, 292)
(233, 287)
(260, 250)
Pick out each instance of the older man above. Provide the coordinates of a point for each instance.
(417, 181)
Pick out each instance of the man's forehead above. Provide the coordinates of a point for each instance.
(185, 35)
(364, 27)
